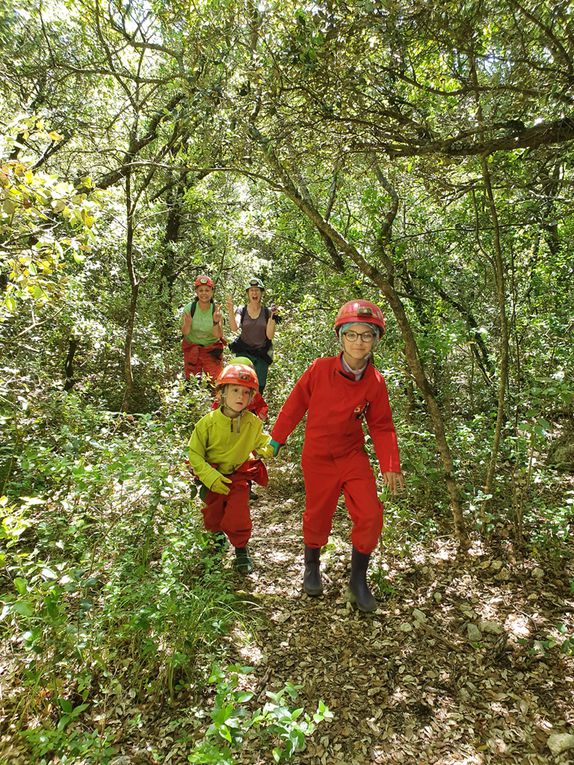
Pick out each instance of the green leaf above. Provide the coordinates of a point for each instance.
(66, 706)
(21, 585)
(23, 607)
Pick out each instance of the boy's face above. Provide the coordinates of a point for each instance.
(204, 293)
(357, 349)
(236, 398)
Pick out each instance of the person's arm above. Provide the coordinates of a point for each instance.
(186, 323)
(260, 407)
(294, 408)
(233, 325)
(217, 323)
(271, 326)
(379, 420)
(262, 446)
(394, 481)
(197, 452)
(273, 321)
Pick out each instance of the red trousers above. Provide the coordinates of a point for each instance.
(230, 512)
(325, 479)
(202, 358)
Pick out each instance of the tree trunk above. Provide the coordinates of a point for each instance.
(500, 280)
(134, 289)
(417, 370)
(69, 363)
(167, 275)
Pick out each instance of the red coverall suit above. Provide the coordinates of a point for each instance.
(334, 457)
(202, 358)
(230, 513)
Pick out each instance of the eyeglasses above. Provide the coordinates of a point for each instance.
(366, 337)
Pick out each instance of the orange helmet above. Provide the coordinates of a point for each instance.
(204, 281)
(360, 311)
(238, 374)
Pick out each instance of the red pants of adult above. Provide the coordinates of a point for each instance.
(200, 359)
(230, 512)
(325, 479)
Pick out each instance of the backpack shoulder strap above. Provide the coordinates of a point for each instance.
(266, 312)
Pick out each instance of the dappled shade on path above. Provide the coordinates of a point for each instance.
(454, 667)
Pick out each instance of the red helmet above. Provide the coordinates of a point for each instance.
(360, 311)
(204, 281)
(238, 374)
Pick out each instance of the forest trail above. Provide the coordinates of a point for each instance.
(454, 668)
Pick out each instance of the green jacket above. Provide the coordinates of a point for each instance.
(226, 442)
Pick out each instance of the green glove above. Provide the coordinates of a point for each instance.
(221, 485)
(275, 445)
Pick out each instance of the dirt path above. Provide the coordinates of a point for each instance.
(456, 666)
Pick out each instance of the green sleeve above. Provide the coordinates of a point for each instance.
(197, 451)
(263, 446)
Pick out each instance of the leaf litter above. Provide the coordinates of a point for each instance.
(467, 661)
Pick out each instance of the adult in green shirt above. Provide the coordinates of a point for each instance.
(202, 332)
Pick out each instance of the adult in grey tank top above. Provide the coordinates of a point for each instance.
(256, 325)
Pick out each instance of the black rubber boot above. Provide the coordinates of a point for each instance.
(359, 592)
(312, 578)
(243, 561)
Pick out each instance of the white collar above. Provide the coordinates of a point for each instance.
(358, 373)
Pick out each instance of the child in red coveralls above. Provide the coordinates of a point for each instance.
(220, 456)
(337, 393)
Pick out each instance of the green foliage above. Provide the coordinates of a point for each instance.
(52, 217)
(186, 120)
(108, 583)
(561, 641)
(70, 746)
(276, 726)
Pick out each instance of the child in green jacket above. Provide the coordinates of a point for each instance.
(220, 450)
